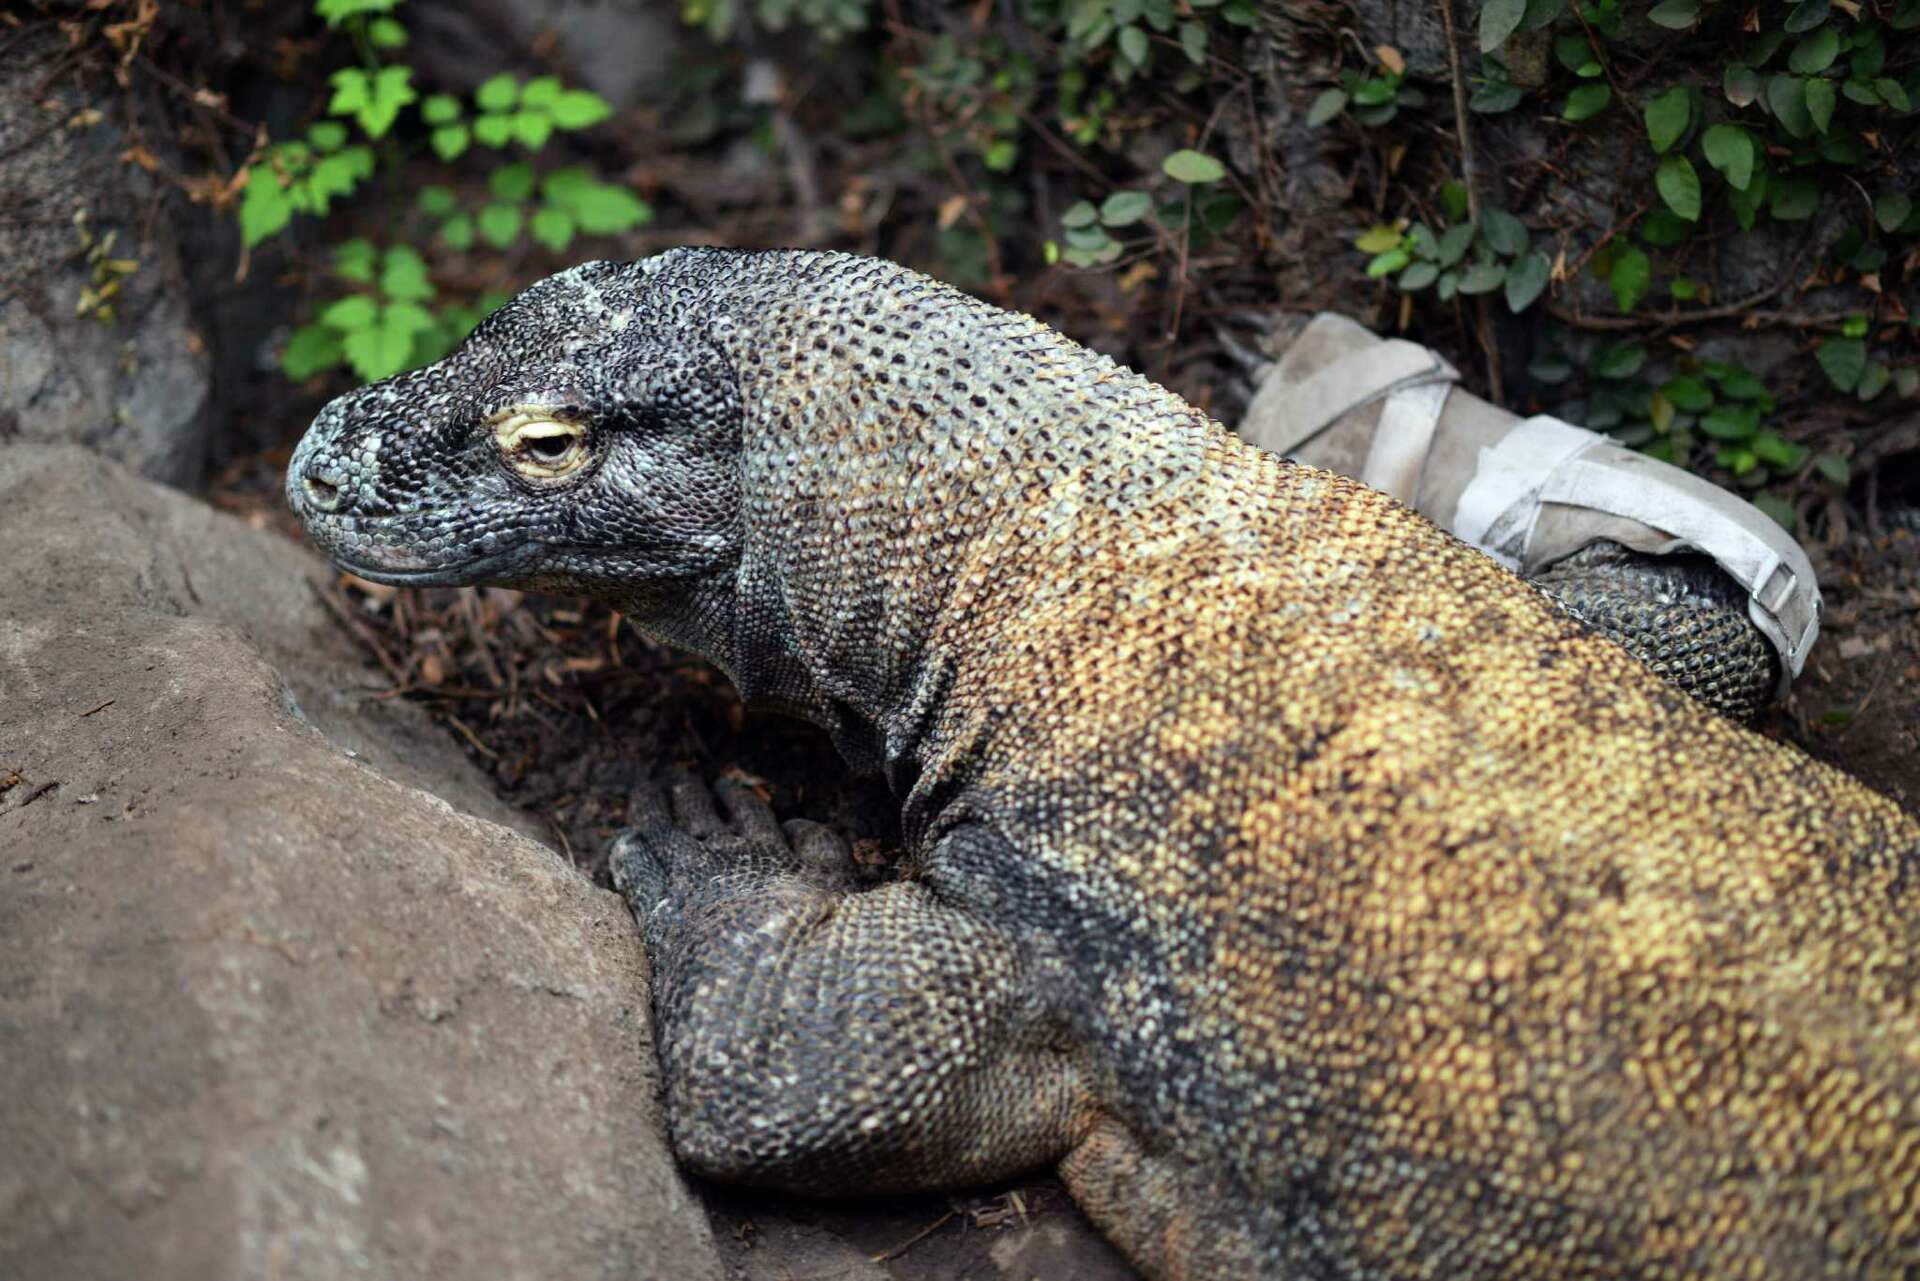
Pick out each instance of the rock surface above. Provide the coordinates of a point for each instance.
(267, 1009)
(123, 369)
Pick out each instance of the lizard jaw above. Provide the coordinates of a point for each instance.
(406, 571)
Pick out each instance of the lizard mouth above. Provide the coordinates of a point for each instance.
(409, 571)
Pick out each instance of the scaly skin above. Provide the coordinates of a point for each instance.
(1321, 899)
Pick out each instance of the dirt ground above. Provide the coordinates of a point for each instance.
(1857, 704)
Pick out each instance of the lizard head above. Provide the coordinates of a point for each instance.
(583, 438)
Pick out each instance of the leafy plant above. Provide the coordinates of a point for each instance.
(391, 317)
(1496, 252)
(1203, 211)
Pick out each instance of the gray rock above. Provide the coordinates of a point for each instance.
(624, 50)
(267, 1008)
(128, 378)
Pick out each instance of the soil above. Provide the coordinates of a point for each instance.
(1857, 704)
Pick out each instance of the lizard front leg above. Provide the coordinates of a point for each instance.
(825, 1038)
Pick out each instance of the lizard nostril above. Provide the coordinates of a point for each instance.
(322, 491)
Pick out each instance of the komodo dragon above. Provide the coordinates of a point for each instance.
(1317, 896)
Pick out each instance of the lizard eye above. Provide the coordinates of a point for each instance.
(537, 444)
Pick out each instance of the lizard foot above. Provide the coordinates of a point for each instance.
(685, 840)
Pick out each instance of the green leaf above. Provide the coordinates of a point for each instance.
(1453, 244)
(1453, 198)
(1326, 107)
(337, 11)
(440, 109)
(1674, 15)
(532, 128)
(1844, 360)
(327, 135)
(1193, 43)
(601, 209)
(310, 349)
(1000, 155)
(1679, 186)
(392, 90)
(1483, 278)
(497, 93)
(266, 208)
(408, 317)
(1873, 381)
(1498, 20)
(1729, 149)
(1619, 362)
(541, 91)
(1575, 53)
(511, 182)
(1794, 199)
(337, 175)
(1731, 422)
(1891, 209)
(437, 201)
(579, 108)
(1193, 167)
(1631, 275)
(356, 260)
(500, 224)
(1667, 115)
(1834, 468)
(354, 312)
(552, 227)
(1688, 394)
(1505, 234)
(1388, 263)
(1775, 450)
(1892, 94)
(1586, 101)
(449, 141)
(386, 33)
(1805, 16)
(1741, 84)
(1418, 276)
(1081, 213)
(1816, 53)
(1492, 99)
(380, 350)
(1821, 98)
(1377, 239)
(493, 131)
(1684, 288)
(404, 277)
(1787, 99)
(1663, 229)
(1134, 46)
(352, 91)
(458, 232)
(1526, 279)
(1779, 510)
(1124, 208)
(1737, 383)
(1746, 203)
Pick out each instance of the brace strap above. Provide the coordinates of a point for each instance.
(1543, 460)
(1305, 409)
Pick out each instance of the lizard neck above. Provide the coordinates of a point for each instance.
(917, 467)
